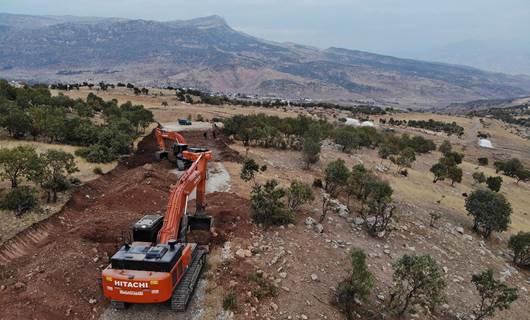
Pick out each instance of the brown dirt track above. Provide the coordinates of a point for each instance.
(52, 269)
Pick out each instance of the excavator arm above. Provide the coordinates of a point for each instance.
(194, 178)
(162, 136)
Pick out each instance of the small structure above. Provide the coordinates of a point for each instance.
(356, 123)
(367, 124)
(485, 143)
(352, 122)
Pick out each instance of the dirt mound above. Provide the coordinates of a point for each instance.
(145, 152)
(52, 270)
(231, 218)
(219, 146)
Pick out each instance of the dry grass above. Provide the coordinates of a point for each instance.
(417, 188)
(177, 109)
(11, 225)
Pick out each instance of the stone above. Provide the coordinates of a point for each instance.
(303, 316)
(358, 221)
(274, 306)
(20, 285)
(283, 275)
(445, 269)
(459, 230)
(92, 301)
(319, 228)
(310, 222)
(226, 252)
(243, 253)
(314, 277)
(381, 297)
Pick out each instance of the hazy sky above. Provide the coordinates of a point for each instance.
(406, 27)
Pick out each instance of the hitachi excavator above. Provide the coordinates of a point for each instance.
(159, 265)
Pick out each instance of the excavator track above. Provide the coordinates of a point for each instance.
(184, 290)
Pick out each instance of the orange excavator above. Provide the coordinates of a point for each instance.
(159, 265)
(174, 142)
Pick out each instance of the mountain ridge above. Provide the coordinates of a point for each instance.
(207, 53)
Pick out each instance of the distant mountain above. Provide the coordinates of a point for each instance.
(486, 104)
(506, 55)
(206, 53)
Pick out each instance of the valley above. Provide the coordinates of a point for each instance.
(291, 271)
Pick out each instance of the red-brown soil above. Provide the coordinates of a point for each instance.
(52, 270)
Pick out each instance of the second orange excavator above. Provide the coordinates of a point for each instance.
(159, 265)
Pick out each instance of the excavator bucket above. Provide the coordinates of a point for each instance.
(200, 222)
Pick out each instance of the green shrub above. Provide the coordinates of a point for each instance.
(75, 181)
(494, 295)
(491, 211)
(96, 154)
(417, 281)
(230, 301)
(494, 183)
(483, 161)
(267, 205)
(336, 177)
(298, 194)
(479, 177)
(317, 183)
(249, 169)
(265, 288)
(20, 200)
(520, 245)
(357, 286)
(98, 170)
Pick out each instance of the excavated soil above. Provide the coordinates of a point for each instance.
(51, 270)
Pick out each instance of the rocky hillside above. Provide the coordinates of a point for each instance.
(209, 54)
(485, 104)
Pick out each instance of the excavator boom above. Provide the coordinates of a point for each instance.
(194, 178)
(159, 265)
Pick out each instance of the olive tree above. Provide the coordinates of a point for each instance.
(479, 177)
(520, 245)
(56, 166)
(494, 295)
(404, 159)
(21, 161)
(455, 174)
(311, 150)
(298, 194)
(249, 170)
(445, 147)
(267, 206)
(417, 281)
(357, 285)
(336, 177)
(494, 183)
(490, 210)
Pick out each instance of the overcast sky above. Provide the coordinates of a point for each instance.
(405, 27)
